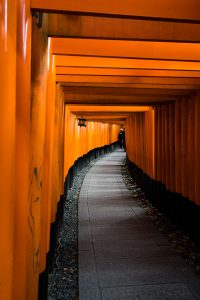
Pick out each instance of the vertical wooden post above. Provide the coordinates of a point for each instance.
(166, 145)
(8, 25)
(39, 68)
(159, 144)
(191, 148)
(163, 146)
(156, 148)
(184, 146)
(153, 147)
(197, 149)
(172, 147)
(22, 147)
(178, 157)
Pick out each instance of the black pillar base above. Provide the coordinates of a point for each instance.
(181, 210)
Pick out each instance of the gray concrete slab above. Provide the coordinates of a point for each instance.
(88, 278)
(175, 291)
(122, 255)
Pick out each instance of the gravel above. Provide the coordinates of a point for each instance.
(63, 281)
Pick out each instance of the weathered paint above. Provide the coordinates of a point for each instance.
(39, 67)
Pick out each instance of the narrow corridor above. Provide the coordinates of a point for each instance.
(122, 255)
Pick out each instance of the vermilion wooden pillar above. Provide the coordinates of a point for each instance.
(159, 144)
(172, 147)
(197, 149)
(39, 68)
(145, 144)
(184, 147)
(47, 171)
(23, 88)
(141, 138)
(8, 25)
(148, 137)
(167, 150)
(156, 143)
(178, 157)
(191, 148)
(163, 145)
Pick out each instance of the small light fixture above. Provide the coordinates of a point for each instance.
(82, 122)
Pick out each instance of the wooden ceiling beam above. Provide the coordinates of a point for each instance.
(118, 98)
(125, 91)
(108, 121)
(127, 49)
(91, 109)
(126, 80)
(105, 116)
(144, 98)
(187, 11)
(82, 61)
(126, 72)
(138, 86)
(124, 103)
(76, 26)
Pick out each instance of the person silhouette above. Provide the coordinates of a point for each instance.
(121, 138)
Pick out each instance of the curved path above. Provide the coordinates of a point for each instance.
(122, 255)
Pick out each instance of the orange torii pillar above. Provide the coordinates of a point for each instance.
(167, 152)
(197, 149)
(158, 153)
(37, 142)
(172, 147)
(178, 157)
(191, 148)
(184, 146)
(163, 157)
(22, 149)
(8, 25)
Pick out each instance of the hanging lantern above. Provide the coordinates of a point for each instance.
(82, 122)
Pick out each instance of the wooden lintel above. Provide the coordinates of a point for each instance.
(145, 50)
(82, 61)
(146, 9)
(126, 72)
(127, 80)
(125, 91)
(76, 26)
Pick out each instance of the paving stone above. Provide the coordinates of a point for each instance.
(108, 251)
(86, 293)
(123, 272)
(119, 232)
(150, 292)
(108, 215)
(118, 221)
(87, 270)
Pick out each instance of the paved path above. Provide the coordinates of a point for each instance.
(122, 255)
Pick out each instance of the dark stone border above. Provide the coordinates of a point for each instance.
(71, 185)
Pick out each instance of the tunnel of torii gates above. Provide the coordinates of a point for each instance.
(124, 63)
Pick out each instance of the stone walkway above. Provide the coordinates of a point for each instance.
(122, 255)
